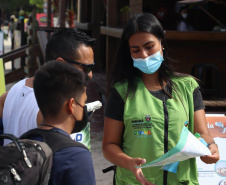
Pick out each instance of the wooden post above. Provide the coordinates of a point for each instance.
(49, 17)
(79, 10)
(22, 35)
(83, 8)
(32, 53)
(96, 17)
(111, 43)
(62, 11)
(135, 7)
(112, 12)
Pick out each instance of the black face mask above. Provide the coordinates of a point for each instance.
(81, 124)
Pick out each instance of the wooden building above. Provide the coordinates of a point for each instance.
(192, 50)
(201, 52)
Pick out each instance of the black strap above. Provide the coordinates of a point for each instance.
(54, 139)
(110, 168)
(12, 138)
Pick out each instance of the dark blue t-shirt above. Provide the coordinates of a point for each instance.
(72, 165)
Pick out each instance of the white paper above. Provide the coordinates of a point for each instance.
(187, 147)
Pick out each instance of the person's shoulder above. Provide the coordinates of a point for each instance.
(29, 82)
(75, 154)
(120, 84)
(78, 149)
(19, 83)
(72, 151)
(16, 87)
(72, 160)
(183, 77)
(2, 102)
(185, 81)
(3, 97)
(181, 26)
(121, 87)
(124, 83)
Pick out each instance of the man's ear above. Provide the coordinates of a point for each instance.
(60, 59)
(70, 105)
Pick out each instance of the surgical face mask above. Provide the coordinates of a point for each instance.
(150, 64)
(81, 124)
(184, 15)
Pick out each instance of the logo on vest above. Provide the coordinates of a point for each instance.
(148, 118)
(186, 123)
(142, 133)
(142, 126)
(143, 123)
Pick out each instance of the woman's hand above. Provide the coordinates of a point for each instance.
(201, 128)
(209, 159)
(112, 140)
(138, 172)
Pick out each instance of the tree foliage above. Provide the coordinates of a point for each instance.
(38, 3)
(14, 5)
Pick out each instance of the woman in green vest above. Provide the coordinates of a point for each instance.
(147, 108)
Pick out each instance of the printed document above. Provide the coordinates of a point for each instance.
(187, 147)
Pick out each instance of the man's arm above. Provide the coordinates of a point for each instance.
(2, 102)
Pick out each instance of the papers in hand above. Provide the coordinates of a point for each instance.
(187, 147)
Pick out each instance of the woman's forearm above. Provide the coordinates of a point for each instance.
(115, 155)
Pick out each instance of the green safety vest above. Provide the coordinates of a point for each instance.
(153, 127)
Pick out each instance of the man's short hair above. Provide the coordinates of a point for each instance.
(56, 82)
(64, 43)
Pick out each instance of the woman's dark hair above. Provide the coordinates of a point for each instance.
(124, 69)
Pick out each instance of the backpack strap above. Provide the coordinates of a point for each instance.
(54, 139)
(111, 168)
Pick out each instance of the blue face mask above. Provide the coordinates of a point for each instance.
(150, 64)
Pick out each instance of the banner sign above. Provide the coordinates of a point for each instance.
(2, 78)
(42, 19)
(215, 174)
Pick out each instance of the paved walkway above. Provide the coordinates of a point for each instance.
(96, 121)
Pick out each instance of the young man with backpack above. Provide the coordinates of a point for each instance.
(60, 91)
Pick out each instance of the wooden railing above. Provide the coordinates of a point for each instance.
(15, 74)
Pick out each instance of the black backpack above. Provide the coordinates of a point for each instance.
(29, 162)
